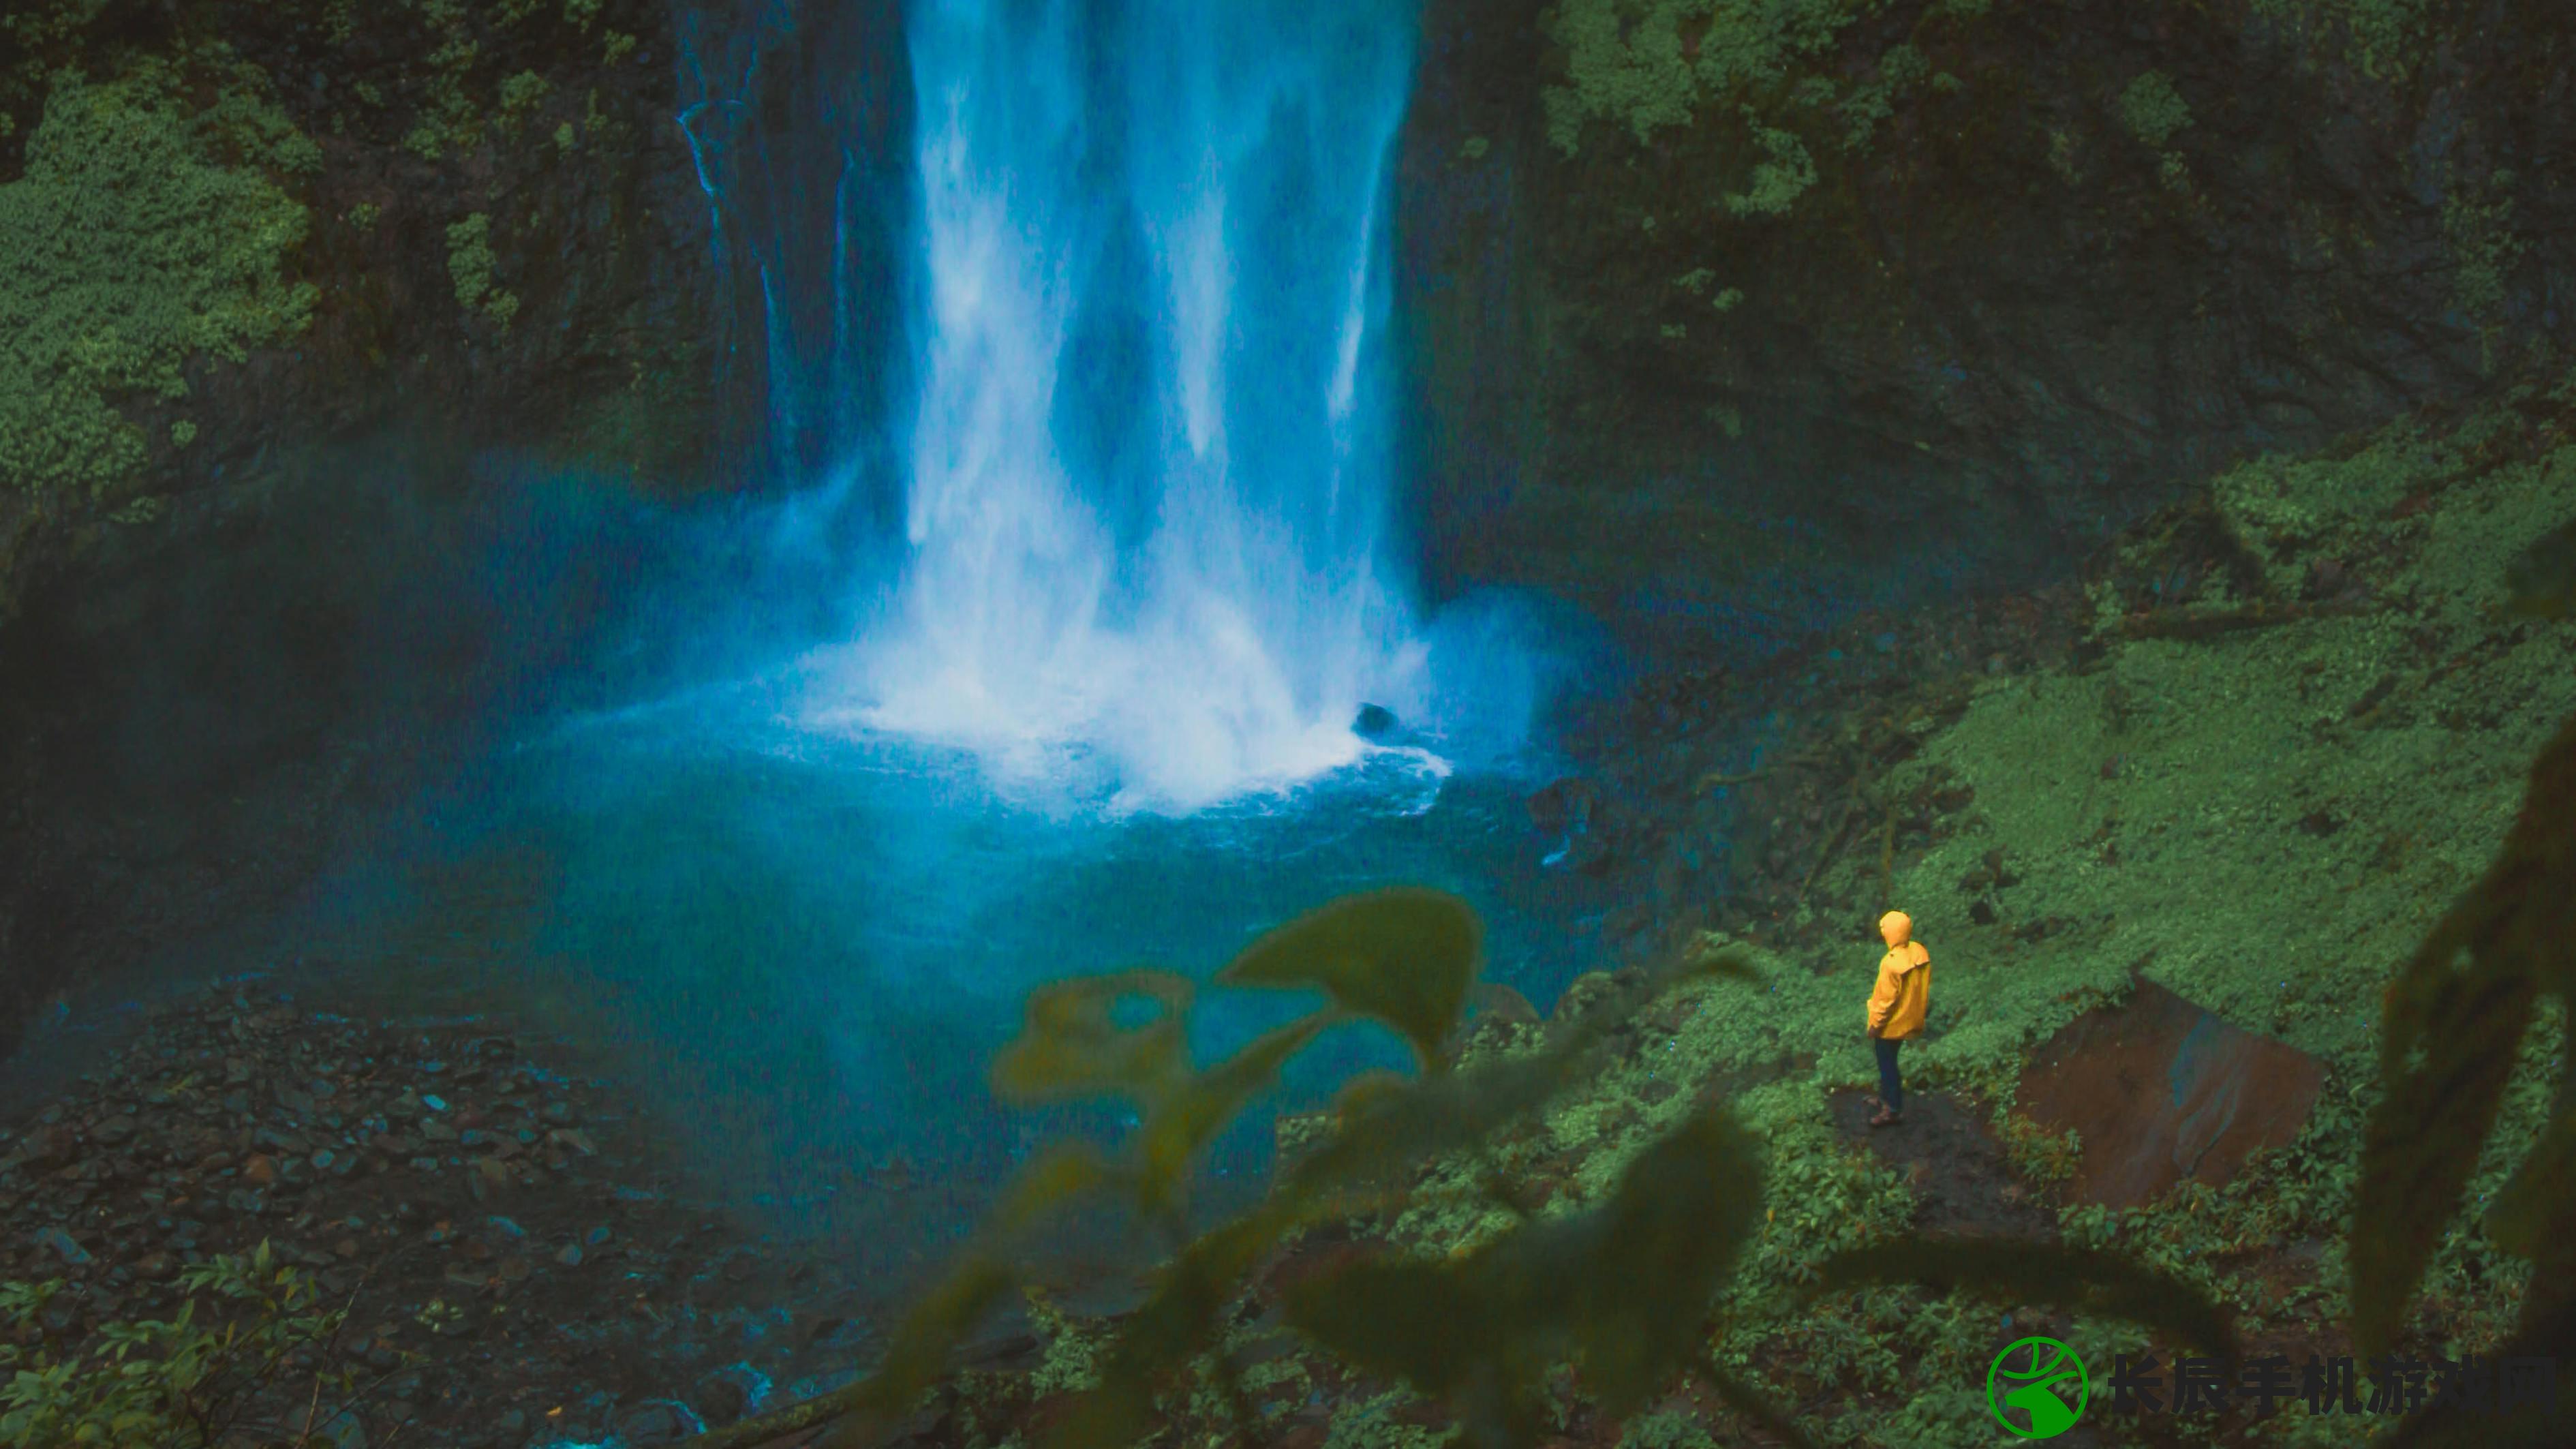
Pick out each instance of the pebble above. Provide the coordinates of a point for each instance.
(319, 1137)
(63, 1246)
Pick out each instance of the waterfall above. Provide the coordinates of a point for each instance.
(1148, 456)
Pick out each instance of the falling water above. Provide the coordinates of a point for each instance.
(1148, 461)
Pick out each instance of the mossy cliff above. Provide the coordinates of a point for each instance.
(269, 271)
(1707, 291)
(233, 230)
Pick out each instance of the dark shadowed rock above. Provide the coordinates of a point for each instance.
(1375, 722)
(2160, 1090)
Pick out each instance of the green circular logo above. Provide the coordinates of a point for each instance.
(2024, 1399)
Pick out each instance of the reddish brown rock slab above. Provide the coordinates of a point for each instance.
(2160, 1090)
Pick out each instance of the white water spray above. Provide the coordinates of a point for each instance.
(1149, 465)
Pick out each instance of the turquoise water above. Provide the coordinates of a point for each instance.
(802, 948)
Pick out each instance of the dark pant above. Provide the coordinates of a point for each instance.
(1890, 1089)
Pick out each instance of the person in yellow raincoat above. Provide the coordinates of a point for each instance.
(1896, 1008)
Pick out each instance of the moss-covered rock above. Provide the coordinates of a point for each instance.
(2003, 277)
(142, 232)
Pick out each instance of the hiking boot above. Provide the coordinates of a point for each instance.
(1885, 1118)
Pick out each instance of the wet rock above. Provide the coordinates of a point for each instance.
(1563, 805)
(2160, 1090)
(1375, 722)
(62, 1246)
(42, 1150)
(113, 1131)
(658, 1422)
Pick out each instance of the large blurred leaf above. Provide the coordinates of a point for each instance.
(1073, 1044)
(917, 1360)
(2546, 1334)
(2448, 1042)
(1182, 1318)
(1666, 1242)
(1063, 1174)
(1625, 1288)
(1182, 1123)
(2533, 1215)
(2087, 1280)
(1405, 957)
(1387, 1130)
(1744, 1399)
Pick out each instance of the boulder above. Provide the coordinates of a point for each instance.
(2161, 1089)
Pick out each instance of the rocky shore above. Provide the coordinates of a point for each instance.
(521, 1258)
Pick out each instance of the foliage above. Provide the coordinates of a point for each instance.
(185, 1383)
(2457, 1018)
(182, 244)
(2378, 35)
(1626, 60)
(2477, 225)
(2152, 110)
(1625, 1289)
(469, 265)
(2039, 1154)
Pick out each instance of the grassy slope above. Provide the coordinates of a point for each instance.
(2224, 745)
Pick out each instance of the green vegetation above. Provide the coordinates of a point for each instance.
(2378, 35)
(469, 265)
(184, 237)
(1620, 1280)
(192, 1382)
(1626, 60)
(2477, 223)
(2152, 110)
(520, 94)
(2347, 767)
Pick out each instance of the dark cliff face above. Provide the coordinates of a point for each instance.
(2084, 253)
(548, 265)
(502, 238)
(227, 660)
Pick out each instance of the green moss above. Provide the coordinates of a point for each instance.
(2378, 35)
(617, 47)
(2477, 223)
(1779, 179)
(182, 433)
(181, 250)
(1665, 1429)
(2152, 110)
(580, 13)
(363, 216)
(2188, 863)
(469, 266)
(1072, 1357)
(521, 94)
(1372, 1425)
(1626, 61)
(448, 119)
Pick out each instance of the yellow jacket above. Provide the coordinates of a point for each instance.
(1904, 992)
